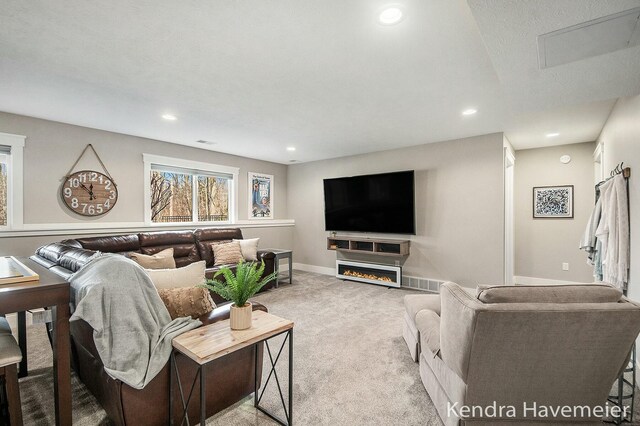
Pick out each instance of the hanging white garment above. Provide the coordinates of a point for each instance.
(613, 231)
(588, 240)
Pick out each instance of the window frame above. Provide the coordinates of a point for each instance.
(178, 163)
(15, 184)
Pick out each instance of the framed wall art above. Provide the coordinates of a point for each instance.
(260, 196)
(553, 202)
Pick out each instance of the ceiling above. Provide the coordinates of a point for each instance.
(258, 76)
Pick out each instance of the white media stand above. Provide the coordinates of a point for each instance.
(369, 272)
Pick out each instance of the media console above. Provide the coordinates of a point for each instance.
(369, 272)
(379, 246)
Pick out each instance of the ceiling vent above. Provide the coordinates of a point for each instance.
(202, 141)
(591, 38)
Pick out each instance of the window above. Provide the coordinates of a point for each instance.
(11, 153)
(181, 191)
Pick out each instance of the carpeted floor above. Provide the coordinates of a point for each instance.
(351, 365)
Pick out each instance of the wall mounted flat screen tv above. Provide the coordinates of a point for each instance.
(382, 203)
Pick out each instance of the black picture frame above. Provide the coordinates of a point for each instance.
(553, 202)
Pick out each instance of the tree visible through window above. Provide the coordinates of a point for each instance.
(213, 199)
(172, 199)
(3, 191)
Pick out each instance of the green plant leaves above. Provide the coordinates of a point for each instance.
(241, 285)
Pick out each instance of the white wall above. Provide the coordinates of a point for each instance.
(542, 245)
(50, 150)
(459, 207)
(621, 140)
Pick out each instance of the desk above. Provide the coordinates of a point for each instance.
(205, 344)
(51, 291)
(282, 254)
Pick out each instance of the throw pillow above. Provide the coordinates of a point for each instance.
(187, 301)
(226, 254)
(249, 248)
(187, 276)
(161, 260)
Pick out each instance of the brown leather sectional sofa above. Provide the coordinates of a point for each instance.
(229, 379)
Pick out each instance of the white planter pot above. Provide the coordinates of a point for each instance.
(240, 318)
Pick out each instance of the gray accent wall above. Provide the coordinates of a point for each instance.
(51, 149)
(621, 141)
(542, 245)
(459, 208)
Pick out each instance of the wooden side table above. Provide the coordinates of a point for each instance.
(282, 254)
(51, 290)
(205, 344)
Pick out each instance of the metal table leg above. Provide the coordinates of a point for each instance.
(287, 407)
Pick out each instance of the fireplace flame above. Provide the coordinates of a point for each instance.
(357, 274)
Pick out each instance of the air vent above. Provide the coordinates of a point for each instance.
(202, 141)
(591, 38)
(420, 283)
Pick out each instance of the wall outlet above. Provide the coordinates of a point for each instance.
(565, 266)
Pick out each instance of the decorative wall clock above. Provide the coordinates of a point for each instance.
(89, 192)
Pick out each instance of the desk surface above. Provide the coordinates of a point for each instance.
(49, 290)
(47, 279)
(216, 340)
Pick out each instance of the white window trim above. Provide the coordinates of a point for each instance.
(15, 184)
(150, 159)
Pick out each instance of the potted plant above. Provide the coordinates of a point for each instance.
(238, 288)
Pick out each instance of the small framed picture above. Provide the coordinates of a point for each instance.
(260, 196)
(553, 202)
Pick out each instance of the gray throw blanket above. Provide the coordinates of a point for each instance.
(132, 328)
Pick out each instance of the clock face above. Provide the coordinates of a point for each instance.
(89, 193)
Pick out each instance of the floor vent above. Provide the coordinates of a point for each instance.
(420, 283)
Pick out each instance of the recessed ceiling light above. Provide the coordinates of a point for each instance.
(390, 16)
(552, 135)
(291, 148)
(469, 111)
(169, 117)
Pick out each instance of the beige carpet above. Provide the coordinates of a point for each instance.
(351, 366)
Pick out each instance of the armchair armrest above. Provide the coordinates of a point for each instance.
(428, 322)
(457, 326)
(221, 313)
(264, 255)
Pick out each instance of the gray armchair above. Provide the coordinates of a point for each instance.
(518, 354)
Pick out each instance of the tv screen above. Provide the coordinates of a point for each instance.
(381, 203)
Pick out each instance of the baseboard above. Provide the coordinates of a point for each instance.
(519, 280)
(316, 269)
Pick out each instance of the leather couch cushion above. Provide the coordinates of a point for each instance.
(183, 243)
(187, 301)
(578, 293)
(112, 244)
(227, 253)
(161, 260)
(52, 252)
(187, 276)
(205, 236)
(75, 258)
